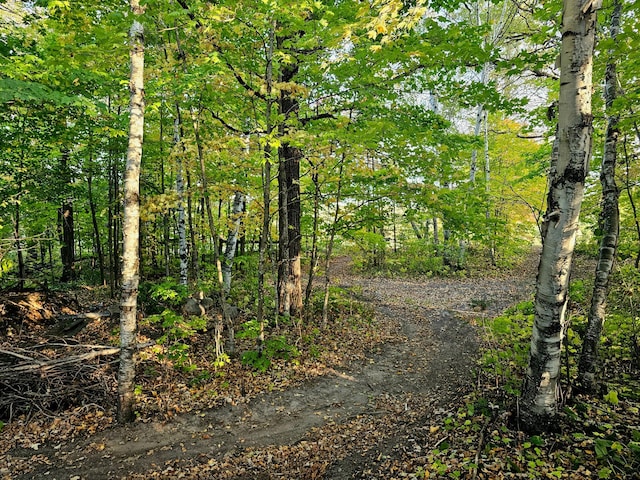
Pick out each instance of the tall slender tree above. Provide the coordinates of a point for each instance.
(610, 225)
(131, 224)
(575, 126)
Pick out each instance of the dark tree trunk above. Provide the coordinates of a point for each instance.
(96, 229)
(16, 236)
(67, 250)
(290, 240)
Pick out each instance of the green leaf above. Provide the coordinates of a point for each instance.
(612, 397)
(537, 440)
(602, 448)
(604, 472)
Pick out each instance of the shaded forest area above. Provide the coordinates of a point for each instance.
(195, 195)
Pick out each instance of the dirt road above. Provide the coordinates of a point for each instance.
(349, 424)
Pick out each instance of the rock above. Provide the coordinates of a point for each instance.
(207, 303)
(231, 312)
(193, 307)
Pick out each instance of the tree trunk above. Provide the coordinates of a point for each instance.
(165, 215)
(290, 239)
(487, 187)
(476, 131)
(266, 192)
(295, 235)
(215, 244)
(329, 252)
(284, 287)
(131, 225)
(67, 250)
(16, 237)
(182, 224)
(314, 235)
(113, 224)
(195, 267)
(436, 239)
(96, 229)
(416, 229)
(539, 393)
(610, 222)
(232, 240)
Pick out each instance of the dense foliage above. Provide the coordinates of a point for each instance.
(414, 137)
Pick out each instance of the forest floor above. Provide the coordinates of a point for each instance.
(375, 416)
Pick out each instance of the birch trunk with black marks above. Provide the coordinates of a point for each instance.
(539, 403)
(610, 225)
(232, 240)
(131, 224)
(182, 222)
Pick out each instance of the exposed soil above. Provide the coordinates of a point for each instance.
(353, 423)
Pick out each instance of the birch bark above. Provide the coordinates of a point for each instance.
(610, 221)
(131, 224)
(182, 223)
(539, 394)
(232, 240)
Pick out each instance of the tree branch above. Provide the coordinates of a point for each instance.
(319, 116)
(228, 126)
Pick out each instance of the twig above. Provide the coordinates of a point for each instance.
(480, 445)
(440, 441)
(17, 355)
(72, 345)
(44, 366)
(48, 365)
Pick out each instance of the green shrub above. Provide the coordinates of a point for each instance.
(276, 347)
(176, 330)
(156, 297)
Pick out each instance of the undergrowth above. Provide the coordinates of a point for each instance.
(599, 435)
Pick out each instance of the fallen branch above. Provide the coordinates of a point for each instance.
(45, 384)
(51, 364)
(43, 366)
(17, 355)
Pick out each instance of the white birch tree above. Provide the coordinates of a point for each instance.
(131, 223)
(610, 223)
(539, 401)
(182, 224)
(232, 240)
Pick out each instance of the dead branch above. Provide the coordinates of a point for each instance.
(43, 366)
(58, 362)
